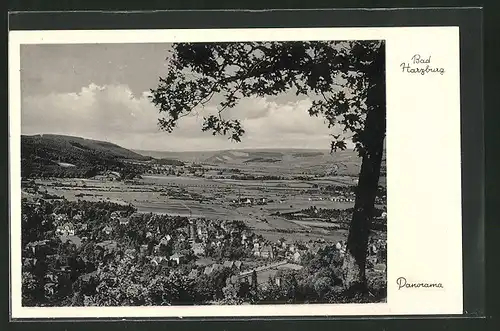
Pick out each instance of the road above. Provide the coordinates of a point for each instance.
(263, 268)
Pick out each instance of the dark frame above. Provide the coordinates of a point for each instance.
(470, 22)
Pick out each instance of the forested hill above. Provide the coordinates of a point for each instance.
(80, 157)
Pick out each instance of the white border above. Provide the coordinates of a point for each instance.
(423, 162)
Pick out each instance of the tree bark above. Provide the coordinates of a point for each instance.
(373, 141)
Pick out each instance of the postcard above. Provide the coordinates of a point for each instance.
(235, 172)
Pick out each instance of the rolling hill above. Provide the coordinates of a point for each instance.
(58, 154)
(341, 162)
(237, 155)
(196, 156)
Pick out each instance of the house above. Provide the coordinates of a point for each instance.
(212, 268)
(261, 201)
(38, 246)
(165, 240)
(124, 221)
(193, 274)
(59, 218)
(315, 249)
(143, 249)
(49, 289)
(380, 267)
(296, 257)
(232, 280)
(107, 246)
(198, 249)
(182, 236)
(115, 215)
(136, 217)
(177, 258)
(343, 249)
(216, 267)
(67, 229)
(228, 264)
(267, 252)
(130, 253)
(203, 262)
(238, 264)
(192, 230)
(107, 229)
(157, 260)
(114, 175)
(77, 241)
(290, 266)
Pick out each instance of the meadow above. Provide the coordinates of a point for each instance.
(219, 192)
(153, 194)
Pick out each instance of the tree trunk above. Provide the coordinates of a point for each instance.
(373, 142)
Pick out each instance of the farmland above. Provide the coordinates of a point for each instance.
(269, 218)
(213, 191)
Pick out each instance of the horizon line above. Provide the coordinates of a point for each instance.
(183, 151)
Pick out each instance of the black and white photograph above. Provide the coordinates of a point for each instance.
(203, 173)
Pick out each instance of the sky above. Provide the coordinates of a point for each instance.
(100, 91)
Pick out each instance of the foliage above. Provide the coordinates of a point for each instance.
(336, 73)
(345, 80)
(42, 156)
(171, 162)
(114, 270)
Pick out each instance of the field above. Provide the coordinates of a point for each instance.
(220, 197)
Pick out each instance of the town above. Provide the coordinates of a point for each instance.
(228, 227)
(263, 193)
(83, 240)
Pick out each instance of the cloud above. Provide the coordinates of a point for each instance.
(95, 109)
(114, 113)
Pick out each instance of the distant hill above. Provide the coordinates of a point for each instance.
(188, 157)
(310, 160)
(235, 156)
(171, 162)
(247, 156)
(54, 154)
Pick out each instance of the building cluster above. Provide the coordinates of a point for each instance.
(195, 238)
(70, 228)
(249, 201)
